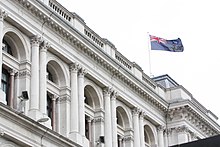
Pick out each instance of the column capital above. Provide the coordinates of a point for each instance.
(142, 114)
(74, 67)
(107, 91)
(36, 40)
(82, 71)
(2, 132)
(44, 45)
(136, 111)
(161, 128)
(114, 94)
(182, 129)
(12, 72)
(3, 14)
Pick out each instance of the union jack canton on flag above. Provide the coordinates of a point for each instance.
(158, 43)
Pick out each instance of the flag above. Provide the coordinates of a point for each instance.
(158, 43)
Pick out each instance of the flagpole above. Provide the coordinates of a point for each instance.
(149, 54)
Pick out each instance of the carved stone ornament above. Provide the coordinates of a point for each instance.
(82, 72)
(74, 67)
(3, 14)
(2, 132)
(36, 40)
(160, 128)
(114, 95)
(136, 111)
(44, 45)
(107, 91)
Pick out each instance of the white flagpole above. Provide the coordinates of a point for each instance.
(149, 54)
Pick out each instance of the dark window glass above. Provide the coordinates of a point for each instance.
(5, 82)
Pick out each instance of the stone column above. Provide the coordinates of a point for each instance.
(34, 98)
(53, 121)
(43, 77)
(114, 119)
(3, 15)
(74, 105)
(82, 72)
(142, 114)
(108, 125)
(136, 112)
(160, 131)
(11, 89)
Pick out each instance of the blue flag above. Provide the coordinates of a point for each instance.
(158, 43)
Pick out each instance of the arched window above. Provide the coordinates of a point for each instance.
(5, 83)
(49, 76)
(49, 107)
(6, 47)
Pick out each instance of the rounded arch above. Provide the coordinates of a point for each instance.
(149, 135)
(92, 95)
(18, 43)
(122, 117)
(56, 70)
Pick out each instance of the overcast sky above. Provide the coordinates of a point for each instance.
(126, 24)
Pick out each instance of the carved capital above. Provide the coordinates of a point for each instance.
(3, 14)
(142, 114)
(114, 95)
(2, 132)
(182, 129)
(99, 119)
(107, 91)
(63, 99)
(136, 111)
(161, 128)
(36, 40)
(44, 46)
(82, 72)
(128, 138)
(74, 67)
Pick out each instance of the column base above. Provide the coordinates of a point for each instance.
(76, 137)
(2, 97)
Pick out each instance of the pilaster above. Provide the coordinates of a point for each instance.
(74, 105)
(108, 124)
(3, 15)
(114, 119)
(34, 111)
(136, 111)
(43, 77)
(81, 74)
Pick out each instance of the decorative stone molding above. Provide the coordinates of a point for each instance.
(190, 115)
(114, 94)
(22, 74)
(2, 132)
(63, 99)
(82, 72)
(3, 14)
(182, 129)
(36, 40)
(168, 132)
(74, 67)
(136, 111)
(107, 91)
(142, 114)
(161, 128)
(99, 119)
(128, 138)
(44, 46)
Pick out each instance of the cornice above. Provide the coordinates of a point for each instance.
(73, 36)
(188, 114)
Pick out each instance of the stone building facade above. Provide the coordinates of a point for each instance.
(64, 85)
